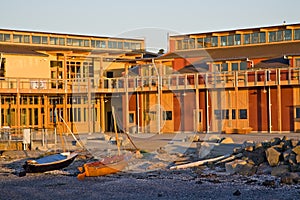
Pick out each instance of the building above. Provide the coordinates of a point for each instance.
(237, 79)
(49, 78)
(232, 80)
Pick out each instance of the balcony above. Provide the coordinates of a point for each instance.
(208, 80)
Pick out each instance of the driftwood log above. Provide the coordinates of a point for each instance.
(201, 162)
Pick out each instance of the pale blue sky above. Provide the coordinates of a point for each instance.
(144, 19)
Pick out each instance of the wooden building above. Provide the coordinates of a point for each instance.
(208, 82)
(238, 79)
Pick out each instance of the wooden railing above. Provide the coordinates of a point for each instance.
(249, 78)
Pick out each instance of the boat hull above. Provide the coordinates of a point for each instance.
(104, 167)
(33, 166)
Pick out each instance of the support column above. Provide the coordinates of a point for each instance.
(102, 113)
(270, 109)
(126, 127)
(207, 111)
(279, 108)
(197, 103)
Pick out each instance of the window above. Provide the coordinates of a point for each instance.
(272, 36)
(131, 118)
(214, 41)
(230, 40)
(200, 42)
(298, 113)
(297, 34)
(178, 44)
(2, 67)
(221, 114)
(237, 39)
(4, 37)
(44, 40)
(86, 43)
(127, 45)
(36, 39)
(247, 39)
(243, 114)
(262, 37)
(224, 67)
(21, 38)
(120, 45)
(54, 41)
(223, 40)
(209, 41)
(234, 66)
(287, 35)
(167, 115)
(112, 44)
(254, 38)
(233, 115)
(243, 66)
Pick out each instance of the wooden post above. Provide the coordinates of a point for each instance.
(279, 108)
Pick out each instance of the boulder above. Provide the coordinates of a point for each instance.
(294, 143)
(258, 156)
(275, 141)
(296, 150)
(264, 169)
(289, 178)
(272, 156)
(240, 167)
(226, 140)
(280, 170)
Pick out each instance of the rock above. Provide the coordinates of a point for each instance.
(258, 156)
(264, 169)
(269, 183)
(272, 156)
(237, 193)
(298, 159)
(214, 138)
(286, 155)
(289, 178)
(248, 143)
(226, 140)
(294, 143)
(275, 141)
(280, 170)
(240, 167)
(250, 148)
(296, 150)
(266, 144)
(238, 150)
(204, 149)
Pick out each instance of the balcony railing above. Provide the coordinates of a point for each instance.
(249, 78)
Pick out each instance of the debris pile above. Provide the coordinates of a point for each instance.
(278, 157)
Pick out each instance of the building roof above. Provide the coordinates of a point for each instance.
(240, 29)
(239, 52)
(38, 50)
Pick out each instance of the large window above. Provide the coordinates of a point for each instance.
(4, 37)
(57, 41)
(297, 34)
(21, 38)
(280, 35)
(221, 114)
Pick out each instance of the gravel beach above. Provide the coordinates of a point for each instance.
(145, 178)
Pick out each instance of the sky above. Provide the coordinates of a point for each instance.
(150, 20)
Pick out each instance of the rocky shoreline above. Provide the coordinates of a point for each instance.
(150, 177)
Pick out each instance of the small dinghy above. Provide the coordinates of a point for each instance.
(49, 163)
